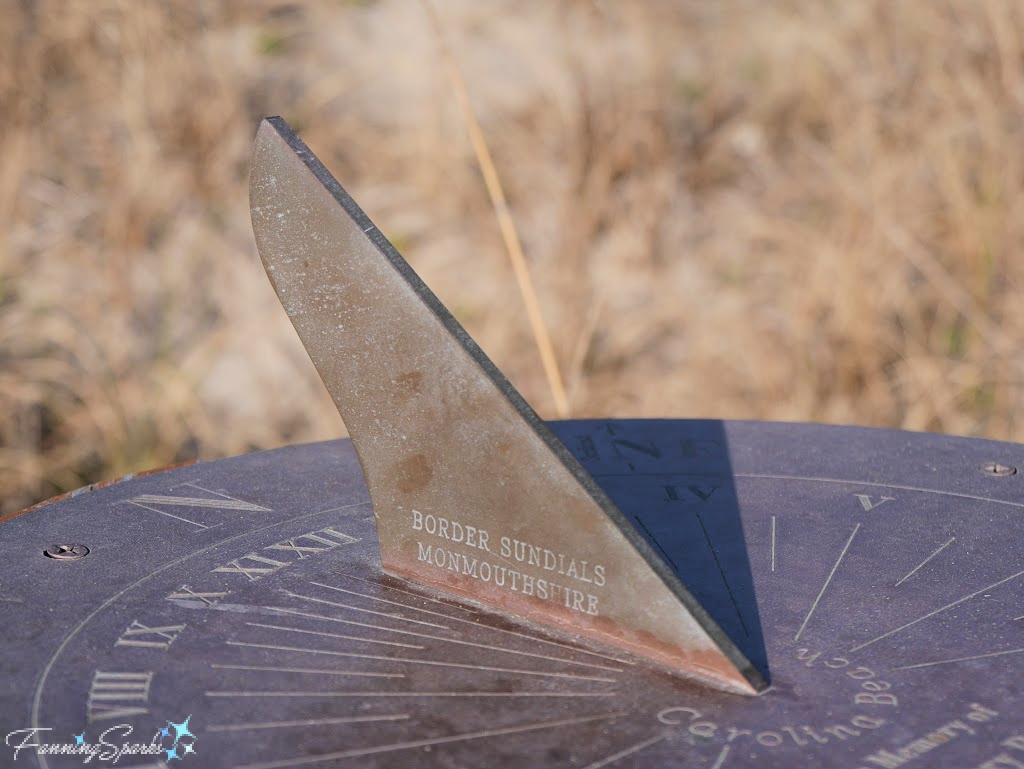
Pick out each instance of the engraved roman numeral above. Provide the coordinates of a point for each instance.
(145, 637)
(212, 500)
(646, 447)
(323, 538)
(252, 572)
(703, 493)
(185, 593)
(118, 695)
(870, 504)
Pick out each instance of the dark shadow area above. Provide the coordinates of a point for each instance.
(673, 480)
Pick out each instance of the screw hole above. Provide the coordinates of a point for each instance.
(66, 552)
(998, 469)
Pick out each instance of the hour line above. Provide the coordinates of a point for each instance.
(656, 542)
(358, 752)
(312, 671)
(476, 625)
(334, 635)
(365, 611)
(406, 592)
(827, 581)
(721, 571)
(442, 639)
(915, 569)
(627, 752)
(433, 663)
(937, 611)
(308, 695)
(308, 722)
(242, 505)
(962, 659)
(773, 543)
(721, 758)
(390, 603)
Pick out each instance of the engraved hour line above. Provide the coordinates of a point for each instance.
(656, 542)
(308, 722)
(309, 671)
(364, 611)
(442, 639)
(406, 592)
(961, 659)
(916, 568)
(426, 743)
(241, 505)
(773, 543)
(336, 635)
(169, 515)
(429, 663)
(827, 581)
(567, 647)
(627, 752)
(937, 611)
(348, 695)
(721, 571)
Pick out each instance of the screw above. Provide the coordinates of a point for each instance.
(66, 552)
(995, 468)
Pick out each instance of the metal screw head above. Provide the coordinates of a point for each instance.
(66, 552)
(995, 468)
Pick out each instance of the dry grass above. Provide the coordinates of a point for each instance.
(744, 209)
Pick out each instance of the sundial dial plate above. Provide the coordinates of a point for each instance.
(247, 592)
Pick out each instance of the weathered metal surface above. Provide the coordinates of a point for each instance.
(247, 596)
(471, 491)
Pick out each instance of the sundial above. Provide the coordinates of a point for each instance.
(463, 585)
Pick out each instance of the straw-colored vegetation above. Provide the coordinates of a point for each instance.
(742, 208)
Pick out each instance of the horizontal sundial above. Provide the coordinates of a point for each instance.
(462, 584)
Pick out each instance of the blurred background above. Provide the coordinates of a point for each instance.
(741, 209)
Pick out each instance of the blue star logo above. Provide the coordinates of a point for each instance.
(172, 752)
(80, 739)
(165, 732)
(181, 730)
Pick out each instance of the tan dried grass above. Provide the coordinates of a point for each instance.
(738, 209)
